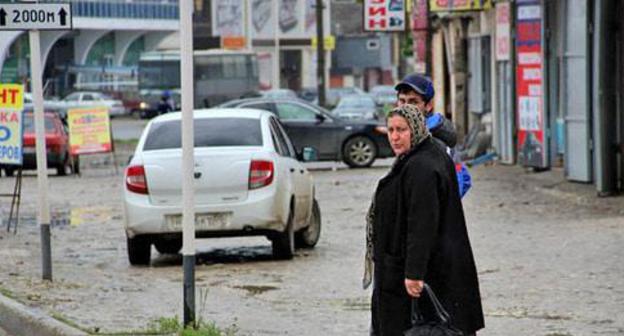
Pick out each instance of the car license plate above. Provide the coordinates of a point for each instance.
(29, 150)
(203, 221)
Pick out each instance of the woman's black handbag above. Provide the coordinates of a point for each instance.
(442, 327)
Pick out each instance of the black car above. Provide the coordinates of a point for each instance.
(357, 143)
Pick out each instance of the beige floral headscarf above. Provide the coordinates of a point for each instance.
(419, 132)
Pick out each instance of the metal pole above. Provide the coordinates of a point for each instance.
(247, 17)
(320, 53)
(188, 196)
(43, 214)
(276, 42)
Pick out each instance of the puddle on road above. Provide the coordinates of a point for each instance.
(253, 290)
(63, 216)
(227, 255)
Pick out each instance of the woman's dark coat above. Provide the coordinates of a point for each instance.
(420, 234)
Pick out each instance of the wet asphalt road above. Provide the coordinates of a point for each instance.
(548, 253)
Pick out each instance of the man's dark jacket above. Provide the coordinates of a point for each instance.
(420, 234)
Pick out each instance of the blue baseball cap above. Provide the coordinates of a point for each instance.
(419, 83)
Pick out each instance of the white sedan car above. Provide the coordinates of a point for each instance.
(248, 181)
(92, 99)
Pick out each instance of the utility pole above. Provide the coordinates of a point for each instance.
(276, 42)
(188, 161)
(320, 53)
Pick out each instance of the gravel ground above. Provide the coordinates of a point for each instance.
(548, 252)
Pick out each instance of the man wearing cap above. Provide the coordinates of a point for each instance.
(418, 90)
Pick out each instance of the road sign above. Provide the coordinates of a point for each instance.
(26, 16)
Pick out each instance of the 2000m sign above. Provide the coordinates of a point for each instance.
(33, 15)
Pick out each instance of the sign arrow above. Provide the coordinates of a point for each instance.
(2, 17)
(63, 14)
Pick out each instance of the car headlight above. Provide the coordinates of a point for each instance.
(143, 105)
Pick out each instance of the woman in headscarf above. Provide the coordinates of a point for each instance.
(416, 233)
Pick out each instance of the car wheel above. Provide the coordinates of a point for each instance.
(284, 242)
(359, 152)
(139, 249)
(168, 246)
(309, 236)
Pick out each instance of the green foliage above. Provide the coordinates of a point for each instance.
(171, 325)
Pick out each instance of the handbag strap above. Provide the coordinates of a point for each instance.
(441, 313)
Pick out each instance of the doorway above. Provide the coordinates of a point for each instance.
(290, 67)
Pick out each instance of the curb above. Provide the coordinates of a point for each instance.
(18, 319)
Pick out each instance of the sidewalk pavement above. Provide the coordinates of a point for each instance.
(19, 320)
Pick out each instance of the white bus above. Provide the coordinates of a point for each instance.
(219, 76)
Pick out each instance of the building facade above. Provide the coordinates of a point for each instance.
(102, 50)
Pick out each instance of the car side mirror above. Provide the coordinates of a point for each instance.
(308, 154)
(320, 118)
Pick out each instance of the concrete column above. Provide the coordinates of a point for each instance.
(123, 40)
(153, 39)
(84, 42)
(455, 33)
(48, 39)
(6, 40)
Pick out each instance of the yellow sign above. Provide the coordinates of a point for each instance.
(330, 42)
(89, 130)
(458, 5)
(11, 96)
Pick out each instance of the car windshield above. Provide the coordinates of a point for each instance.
(73, 96)
(209, 132)
(356, 102)
(29, 124)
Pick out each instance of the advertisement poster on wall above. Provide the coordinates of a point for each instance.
(228, 18)
(384, 16)
(295, 18)
(529, 82)
(459, 5)
(503, 31)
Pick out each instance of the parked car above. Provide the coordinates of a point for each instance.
(48, 105)
(333, 95)
(92, 99)
(356, 142)
(384, 95)
(356, 107)
(57, 146)
(248, 181)
(308, 94)
(156, 102)
(279, 93)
